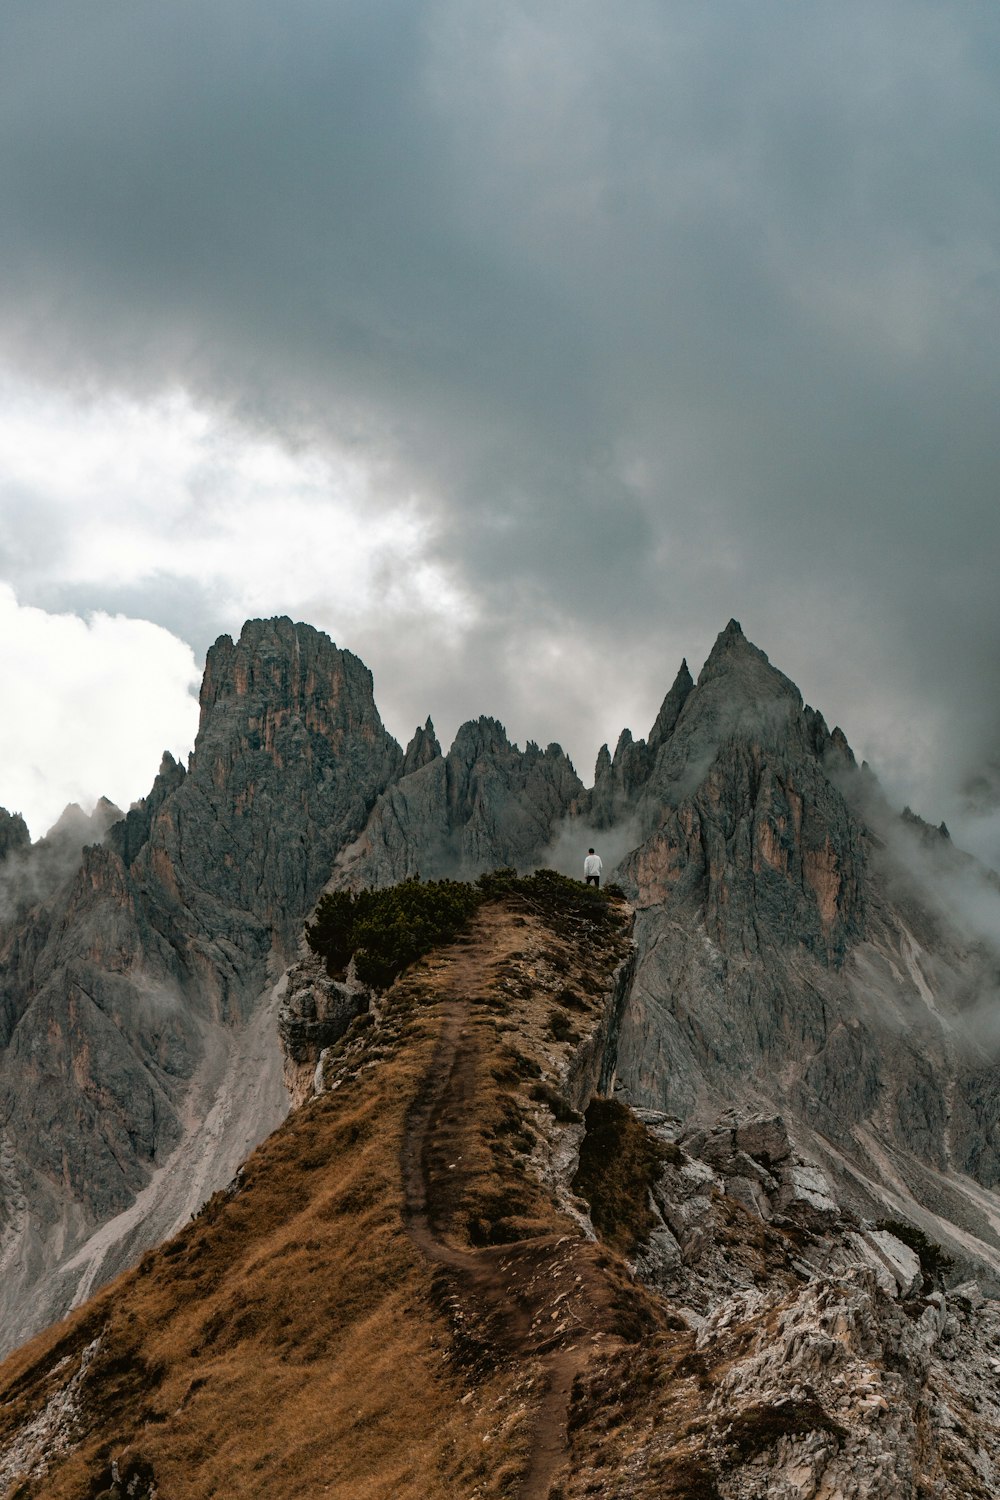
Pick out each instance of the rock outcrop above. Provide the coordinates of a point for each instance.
(29, 873)
(828, 1358)
(620, 783)
(14, 833)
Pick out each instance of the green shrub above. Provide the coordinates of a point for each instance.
(935, 1263)
(547, 890)
(387, 930)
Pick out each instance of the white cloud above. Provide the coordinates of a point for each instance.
(110, 493)
(89, 707)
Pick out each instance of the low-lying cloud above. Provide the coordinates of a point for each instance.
(574, 837)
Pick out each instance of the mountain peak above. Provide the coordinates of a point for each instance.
(13, 833)
(422, 749)
(672, 705)
(734, 655)
(476, 737)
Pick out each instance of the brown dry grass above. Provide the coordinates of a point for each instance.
(295, 1339)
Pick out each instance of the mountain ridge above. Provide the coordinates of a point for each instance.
(449, 1273)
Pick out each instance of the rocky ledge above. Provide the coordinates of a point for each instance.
(826, 1356)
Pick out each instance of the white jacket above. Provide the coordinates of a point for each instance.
(592, 865)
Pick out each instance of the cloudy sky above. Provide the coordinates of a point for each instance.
(516, 346)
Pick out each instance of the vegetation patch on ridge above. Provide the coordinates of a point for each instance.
(386, 930)
(935, 1263)
(619, 1162)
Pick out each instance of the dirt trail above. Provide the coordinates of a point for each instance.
(541, 1300)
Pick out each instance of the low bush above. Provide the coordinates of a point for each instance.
(935, 1263)
(387, 930)
(556, 895)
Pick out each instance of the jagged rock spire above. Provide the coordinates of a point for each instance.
(671, 707)
(733, 656)
(13, 833)
(422, 749)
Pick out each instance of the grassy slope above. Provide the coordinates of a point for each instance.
(286, 1342)
(293, 1340)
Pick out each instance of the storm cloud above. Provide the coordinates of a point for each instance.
(625, 320)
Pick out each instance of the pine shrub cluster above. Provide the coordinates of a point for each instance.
(387, 930)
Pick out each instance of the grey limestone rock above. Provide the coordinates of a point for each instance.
(122, 992)
(289, 759)
(32, 872)
(485, 804)
(670, 709)
(827, 1362)
(422, 749)
(131, 833)
(14, 833)
(315, 1013)
(620, 783)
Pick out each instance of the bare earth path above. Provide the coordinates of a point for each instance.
(542, 1299)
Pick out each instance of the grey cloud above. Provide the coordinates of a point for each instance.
(668, 314)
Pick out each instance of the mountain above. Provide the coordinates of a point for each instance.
(455, 1272)
(805, 951)
(810, 1017)
(134, 1024)
(484, 804)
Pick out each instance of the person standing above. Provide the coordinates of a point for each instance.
(592, 868)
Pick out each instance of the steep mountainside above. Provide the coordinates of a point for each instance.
(130, 994)
(804, 951)
(453, 1272)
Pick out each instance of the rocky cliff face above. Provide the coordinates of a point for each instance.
(129, 994)
(795, 954)
(484, 804)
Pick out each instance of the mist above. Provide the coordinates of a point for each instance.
(574, 837)
(30, 874)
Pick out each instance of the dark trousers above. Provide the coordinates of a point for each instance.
(594, 880)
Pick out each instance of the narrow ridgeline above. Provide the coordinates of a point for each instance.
(461, 1268)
